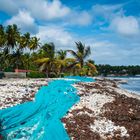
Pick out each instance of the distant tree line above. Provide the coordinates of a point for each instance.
(118, 70)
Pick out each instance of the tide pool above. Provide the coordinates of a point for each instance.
(41, 119)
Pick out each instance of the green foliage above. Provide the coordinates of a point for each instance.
(118, 70)
(9, 69)
(81, 54)
(36, 75)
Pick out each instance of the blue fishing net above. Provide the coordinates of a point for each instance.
(41, 119)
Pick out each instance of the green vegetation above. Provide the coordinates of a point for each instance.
(36, 75)
(118, 70)
(23, 51)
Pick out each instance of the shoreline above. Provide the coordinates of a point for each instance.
(119, 82)
(104, 111)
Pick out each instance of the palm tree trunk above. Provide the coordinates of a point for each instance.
(82, 63)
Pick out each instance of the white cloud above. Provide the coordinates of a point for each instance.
(98, 43)
(39, 9)
(125, 25)
(45, 10)
(107, 11)
(82, 18)
(58, 35)
(24, 21)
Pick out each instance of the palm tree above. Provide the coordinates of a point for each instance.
(2, 37)
(13, 44)
(50, 62)
(91, 68)
(62, 54)
(27, 38)
(34, 43)
(25, 59)
(24, 41)
(3, 50)
(80, 66)
(12, 36)
(5, 58)
(48, 57)
(81, 54)
(17, 58)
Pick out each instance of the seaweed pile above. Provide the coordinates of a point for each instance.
(117, 118)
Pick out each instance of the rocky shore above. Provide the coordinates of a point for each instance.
(105, 111)
(17, 91)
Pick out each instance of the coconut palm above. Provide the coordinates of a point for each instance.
(5, 58)
(24, 41)
(34, 43)
(17, 58)
(27, 38)
(62, 54)
(12, 36)
(80, 66)
(64, 63)
(51, 62)
(91, 69)
(25, 59)
(4, 48)
(48, 57)
(2, 37)
(81, 54)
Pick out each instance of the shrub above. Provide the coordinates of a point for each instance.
(36, 75)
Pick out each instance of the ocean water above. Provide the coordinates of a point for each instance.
(132, 85)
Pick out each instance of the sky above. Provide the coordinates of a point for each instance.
(110, 27)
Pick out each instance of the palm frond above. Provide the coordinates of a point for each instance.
(70, 60)
(42, 60)
(91, 61)
(49, 50)
(87, 52)
(62, 54)
(78, 65)
(91, 66)
(71, 65)
(80, 47)
(74, 54)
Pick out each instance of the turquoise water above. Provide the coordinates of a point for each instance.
(41, 119)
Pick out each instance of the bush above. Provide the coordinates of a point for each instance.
(36, 75)
(9, 69)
